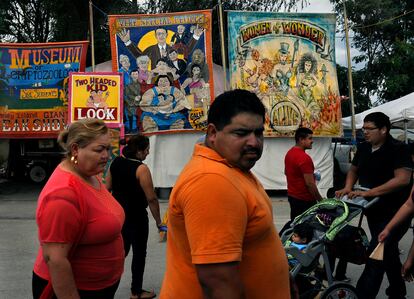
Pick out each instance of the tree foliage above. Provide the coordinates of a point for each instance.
(26, 21)
(157, 6)
(383, 31)
(30, 21)
(68, 20)
(361, 99)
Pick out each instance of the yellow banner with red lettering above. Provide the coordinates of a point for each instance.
(96, 95)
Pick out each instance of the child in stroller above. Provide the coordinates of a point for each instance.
(302, 235)
(326, 219)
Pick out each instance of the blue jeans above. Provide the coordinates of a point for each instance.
(371, 278)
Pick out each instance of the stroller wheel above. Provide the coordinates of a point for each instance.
(308, 286)
(340, 290)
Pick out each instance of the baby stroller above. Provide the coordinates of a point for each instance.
(328, 219)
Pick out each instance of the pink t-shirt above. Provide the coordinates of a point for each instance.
(98, 259)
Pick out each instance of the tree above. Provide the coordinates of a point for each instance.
(68, 20)
(35, 21)
(157, 6)
(75, 24)
(361, 98)
(383, 31)
(26, 21)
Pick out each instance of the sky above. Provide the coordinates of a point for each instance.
(324, 6)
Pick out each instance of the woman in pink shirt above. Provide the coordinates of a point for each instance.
(81, 252)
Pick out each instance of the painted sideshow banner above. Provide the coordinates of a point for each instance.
(33, 87)
(96, 95)
(288, 60)
(166, 60)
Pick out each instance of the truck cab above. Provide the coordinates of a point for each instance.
(34, 159)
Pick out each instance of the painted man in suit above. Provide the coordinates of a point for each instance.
(179, 64)
(159, 50)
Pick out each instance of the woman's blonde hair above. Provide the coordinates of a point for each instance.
(82, 132)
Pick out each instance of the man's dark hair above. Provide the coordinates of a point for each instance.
(162, 28)
(135, 143)
(163, 60)
(303, 230)
(163, 76)
(302, 133)
(231, 103)
(379, 119)
(171, 50)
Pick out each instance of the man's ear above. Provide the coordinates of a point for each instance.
(211, 133)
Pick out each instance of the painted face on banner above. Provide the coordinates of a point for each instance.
(283, 57)
(163, 82)
(308, 66)
(143, 64)
(196, 71)
(134, 75)
(125, 62)
(161, 35)
(180, 29)
(97, 96)
(173, 56)
(198, 57)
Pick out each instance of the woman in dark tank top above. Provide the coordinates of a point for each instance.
(131, 184)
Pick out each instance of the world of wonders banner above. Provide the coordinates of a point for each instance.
(288, 60)
(34, 85)
(167, 64)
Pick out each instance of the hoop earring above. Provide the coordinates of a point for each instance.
(74, 160)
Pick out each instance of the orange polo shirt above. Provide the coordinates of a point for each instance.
(220, 214)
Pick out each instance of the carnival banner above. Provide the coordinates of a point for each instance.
(288, 60)
(33, 87)
(167, 64)
(96, 95)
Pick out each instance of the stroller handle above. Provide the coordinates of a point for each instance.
(360, 201)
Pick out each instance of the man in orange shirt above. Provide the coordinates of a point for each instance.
(222, 242)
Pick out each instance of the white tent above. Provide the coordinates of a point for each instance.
(170, 152)
(400, 112)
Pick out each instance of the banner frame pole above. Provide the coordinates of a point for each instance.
(350, 84)
(223, 50)
(92, 35)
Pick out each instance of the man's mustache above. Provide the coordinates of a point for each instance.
(252, 150)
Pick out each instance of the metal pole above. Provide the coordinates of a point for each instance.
(405, 131)
(223, 51)
(351, 90)
(91, 35)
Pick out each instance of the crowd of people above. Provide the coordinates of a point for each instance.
(222, 241)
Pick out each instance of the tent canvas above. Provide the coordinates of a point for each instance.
(399, 111)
